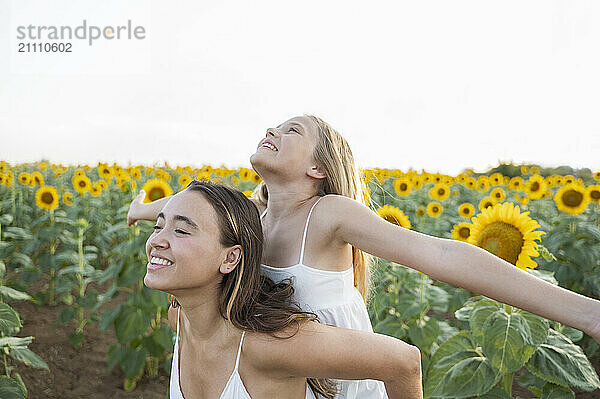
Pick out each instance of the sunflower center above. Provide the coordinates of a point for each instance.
(82, 184)
(535, 186)
(441, 191)
(403, 186)
(572, 198)
(503, 240)
(464, 232)
(434, 209)
(466, 211)
(156, 193)
(47, 198)
(595, 194)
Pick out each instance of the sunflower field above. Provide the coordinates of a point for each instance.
(65, 245)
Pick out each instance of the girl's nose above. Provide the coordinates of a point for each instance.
(271, 131)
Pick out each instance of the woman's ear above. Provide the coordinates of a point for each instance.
(234, 255)
(316, 172)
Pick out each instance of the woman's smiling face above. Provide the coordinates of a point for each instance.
(184, 250)
(294, 142)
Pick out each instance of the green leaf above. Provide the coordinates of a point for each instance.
(133, 361)
(152, 346)
(164, 335)
(504, 341)
(88, 300)
(15, 342)
(466, 374)
(423, 333)
(76, 339)
(551, 391)
(10, 389)
(114, 355)
(28, 357)
(408, 306)
(108, 317)
(562, 362)
(13, 295)
(479, 314)
(544, 275)
(496, 393)
(538, 328)
(130, 324)
(2, 270)
(10, 323)
(66, 315)
(437, 367)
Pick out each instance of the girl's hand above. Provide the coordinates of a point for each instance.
(133, 215)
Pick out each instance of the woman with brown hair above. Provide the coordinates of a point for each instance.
(206, 251)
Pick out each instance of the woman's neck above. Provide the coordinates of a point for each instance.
(286, 200)
(203, 318)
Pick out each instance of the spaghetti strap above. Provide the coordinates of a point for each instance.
(305, 229)
(237, 360)
(263, 214)
(178, 309)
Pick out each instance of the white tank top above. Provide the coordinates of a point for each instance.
(234, 389)
(333, 297)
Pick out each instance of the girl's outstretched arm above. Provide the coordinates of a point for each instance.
(138, 210)
(460, 264)
(322, 351)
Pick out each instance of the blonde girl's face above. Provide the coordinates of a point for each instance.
(184, 250)
(293, 143)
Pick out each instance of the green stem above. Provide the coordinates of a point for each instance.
(506, 383)
(52, 251)
(6, 366)
(80, 278)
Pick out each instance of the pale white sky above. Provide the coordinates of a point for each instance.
(439, 85)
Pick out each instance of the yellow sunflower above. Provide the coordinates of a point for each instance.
(3, 166)
(81, 183)
(105, 172)
(466, 210)
(135, 173)
(594, 193)
(103, 184)
(535, 187)
(569, 179)
(2, 179)
(516, 183)
(498, 194)
(434, 209)
(461, 231)
(245, 174)
(524, 170)
(24, 178)
(403, 186)
(496, 179)
(366, 194)
(534, 170)
(37, 178)
(507, 233)
(394, 215)
(439, 192)
(184, 180)
(471, 183)
(597, 176)
(79, 172)
(248, 193)
(483, 183)
(9, 178)
(255, 177)
(420, 211)
(68, 198)
(417, 183)
(156, 189)
(46, 197)
(485, 203)
(572, 198)
(96, 189)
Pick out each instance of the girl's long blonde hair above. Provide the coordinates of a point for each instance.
(333, 154)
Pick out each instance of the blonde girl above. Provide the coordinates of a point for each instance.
(304, 161)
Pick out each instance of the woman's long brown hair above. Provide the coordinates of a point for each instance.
(249, 300)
